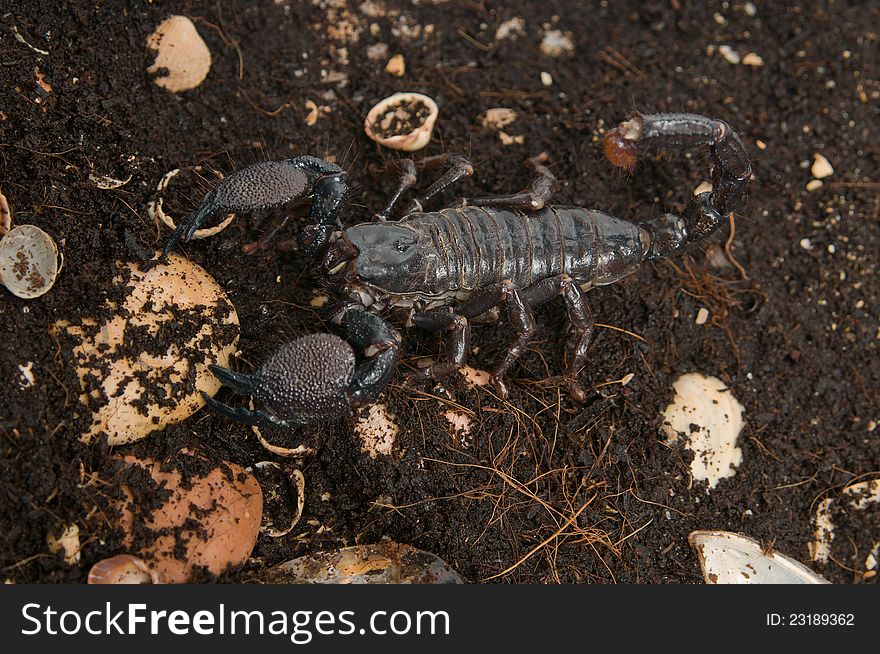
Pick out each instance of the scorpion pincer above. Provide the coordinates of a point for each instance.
(444, 269)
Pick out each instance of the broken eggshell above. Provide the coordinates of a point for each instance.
(210, 520)
(146, 366)
(729, 558)
(155, 210)
(709, 419)
(399, 109)
(385, 562)
(180, 51)
(123, 569)
(28, 261)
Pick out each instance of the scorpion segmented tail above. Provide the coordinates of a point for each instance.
(705, 212)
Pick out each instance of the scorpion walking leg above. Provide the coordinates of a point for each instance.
(408, 179)
(580, 316)
(440, 320)
(536, 198)
(459, 168)
(520, 315)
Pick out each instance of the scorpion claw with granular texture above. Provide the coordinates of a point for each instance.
(315, 378)
(446, 269)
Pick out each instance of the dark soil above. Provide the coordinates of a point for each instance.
(793, 303)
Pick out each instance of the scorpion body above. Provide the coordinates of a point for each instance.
(467, 249)
(447, 268)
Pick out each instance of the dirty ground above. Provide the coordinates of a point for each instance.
(541, 490)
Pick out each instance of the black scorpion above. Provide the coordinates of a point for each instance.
(447, 268)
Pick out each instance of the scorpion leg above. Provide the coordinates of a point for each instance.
(440, 320)
(408, 179)
(459, 168)
(580, 316)
(520, 315)
(536, 198)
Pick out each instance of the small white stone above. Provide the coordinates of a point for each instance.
(750, 9)
(702, 316)
(510, 28)
(27, 375)
(821, 167)
(806, 244)
(546, 79)
(729, 54)
(814, 185)
(557, 43)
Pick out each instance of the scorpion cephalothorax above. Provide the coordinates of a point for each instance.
(446, 268)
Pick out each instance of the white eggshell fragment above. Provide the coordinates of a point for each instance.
(68, 543)
(729, 558)
(182, 52)
(123, 569)
(418, 112)
(859, 496)
(377, 430)
(385, 562)
(146, 366)
(28, 261)
(707, 416)
(210, 520)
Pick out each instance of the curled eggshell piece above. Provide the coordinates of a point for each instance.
(283, 494)
(385, 562)
(729, 558)
(123, 569)
(28, 261)
(180, 51)
(211, 519)
(146, 366)
(403, 121)
(155, 210)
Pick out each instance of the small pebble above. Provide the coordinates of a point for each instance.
(556, 43)
(702, 316)
(761, 145)
(396, 66)
(752, 59)
(498, 117)
(806, 244)
(814, 184)
(546, 79)
(510, 28)
(377, 429)
(729, 54)
(821, 167)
